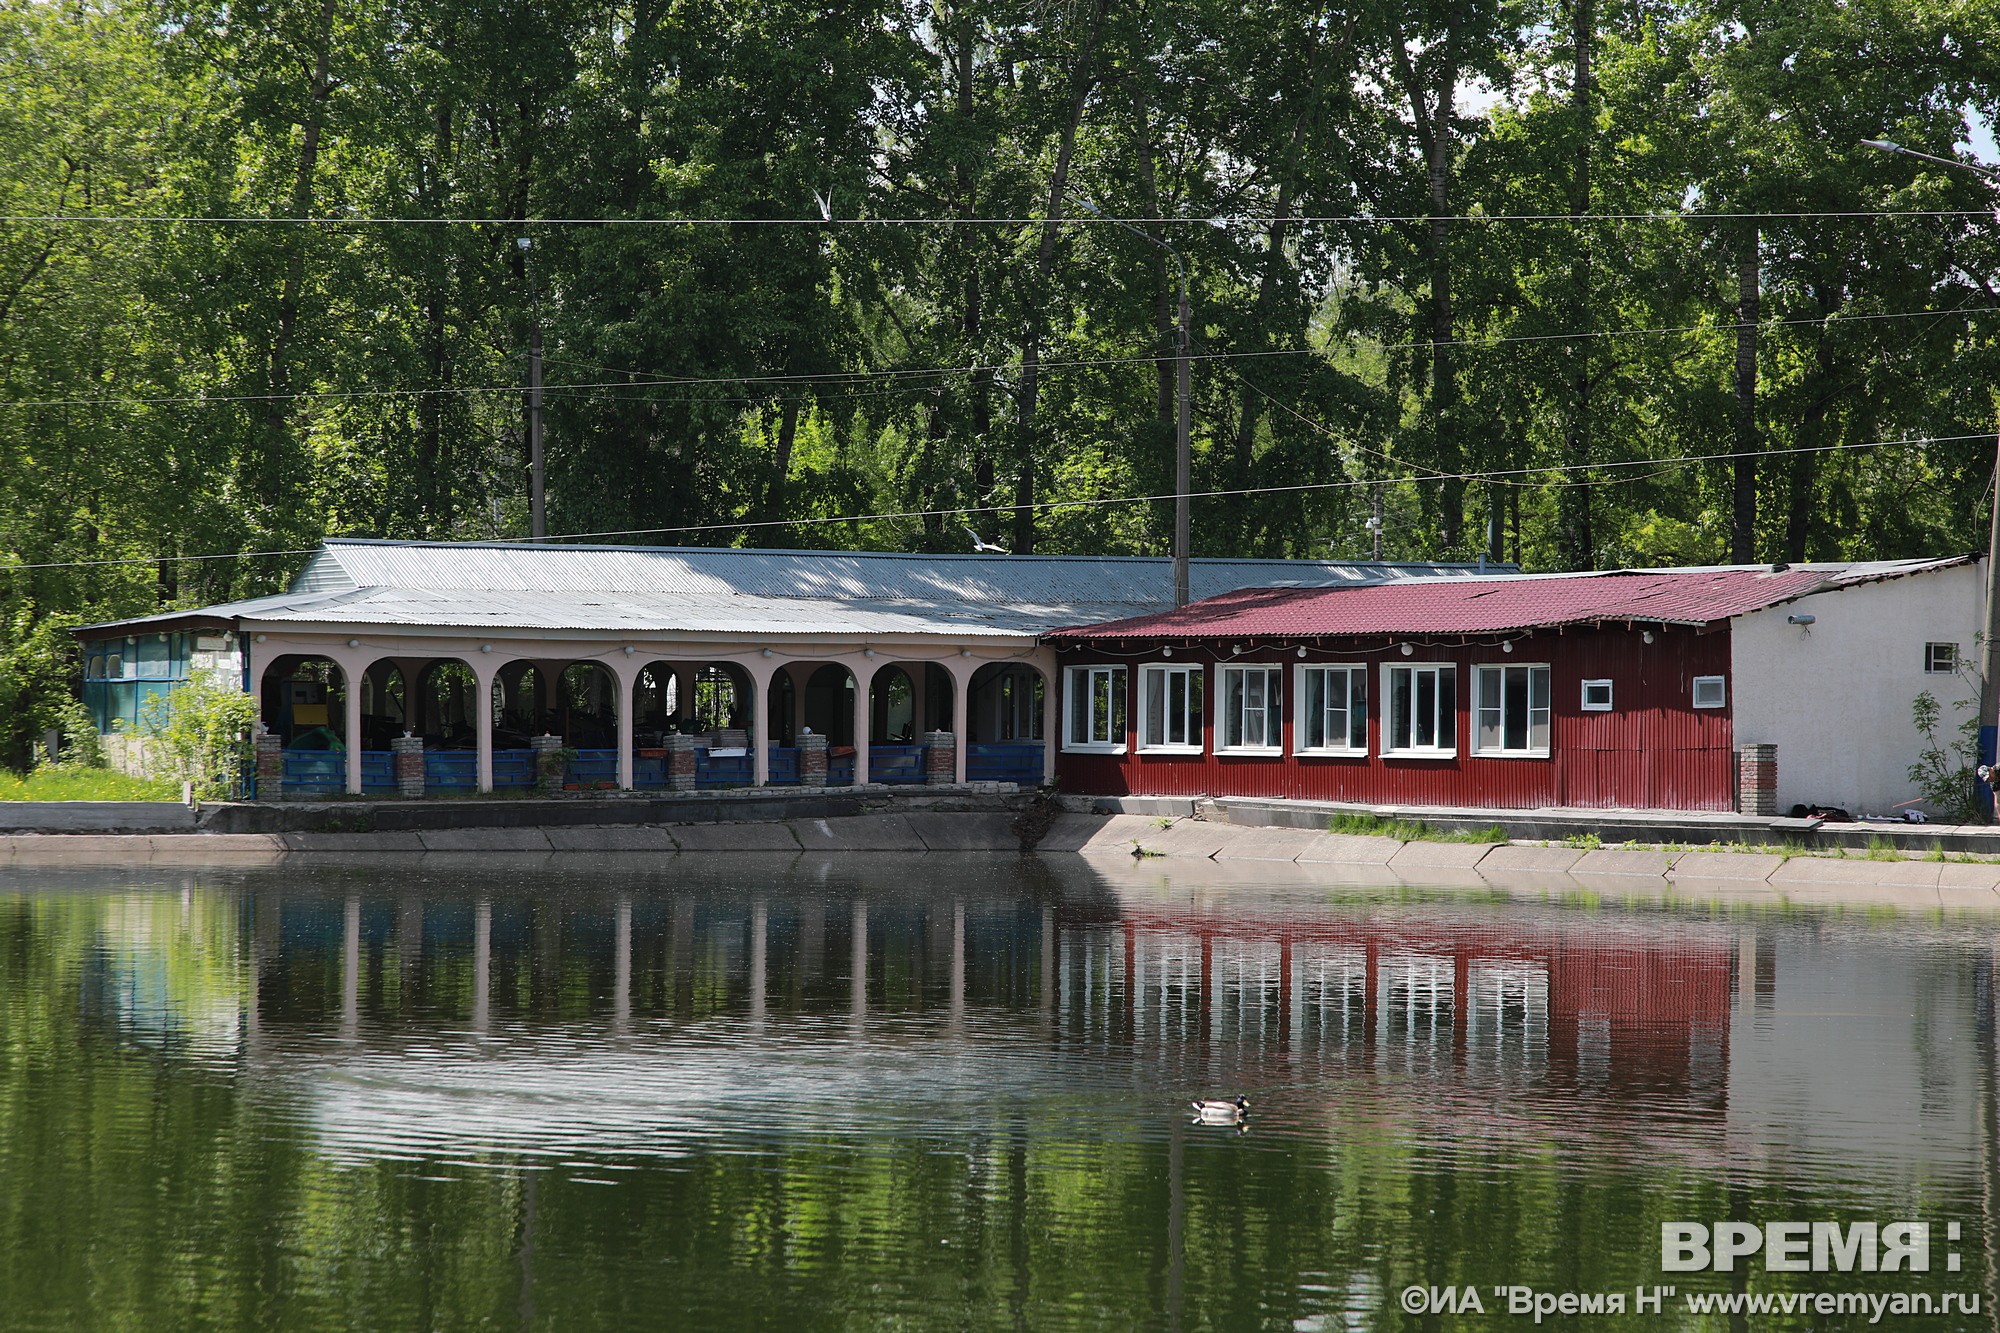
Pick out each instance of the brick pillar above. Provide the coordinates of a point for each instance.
(680, 762)
(409, 761)
(270, 750)
(940, 759)
(1757, 780)
(812, 760)
(549, 767)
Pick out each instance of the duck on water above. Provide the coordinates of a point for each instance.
(1220, 1112)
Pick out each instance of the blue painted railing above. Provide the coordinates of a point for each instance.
(840, 770)
(451, 771)
(315, 772)
(726, 771)
(784, 767)
(378, 772)
(513, 770)
(592, 769)
(901, 765)
(649, 769)
(1005, 761)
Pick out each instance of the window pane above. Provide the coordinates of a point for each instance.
(1427, 684)
(1399, 708)
(1357, 708)
(1153, 723)
(1194, 714)
(1079, 707)
(1274, 706)
(1316, 712)
(1515, 736)
(1489, 680)
(1114, 685)
(1232, 708)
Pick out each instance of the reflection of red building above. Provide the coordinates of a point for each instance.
(1595, 1004)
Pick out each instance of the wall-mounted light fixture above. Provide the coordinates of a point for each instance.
(1801, 619)
(1167, 651)
(965, 652)
(868, 652)
(487, 648)
(1407, 650)
(1302, 650)
(1507, 647)
(354, 643)
(1647, 636)
(767, 652)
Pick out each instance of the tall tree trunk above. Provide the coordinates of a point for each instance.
(1163, 287)
(781, 464)
(433, 476)
(1579, 542)
(277, 410)
(1743, 528)
(970, 323)
(1083, 79)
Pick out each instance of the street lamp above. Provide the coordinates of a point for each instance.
(1183, 412)
(1989, 685)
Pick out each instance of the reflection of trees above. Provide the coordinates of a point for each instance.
(200, 1192)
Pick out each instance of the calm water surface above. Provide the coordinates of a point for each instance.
(938, 1092)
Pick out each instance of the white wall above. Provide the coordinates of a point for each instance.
(1835, 697)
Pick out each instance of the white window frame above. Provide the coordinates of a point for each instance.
(1721, 684)
(1478, 710)
(1116, 671)
(1273, 709)
(1193, 706)
(1610, 696)
(1388, 719)
(1357, 702)
(1930, 659)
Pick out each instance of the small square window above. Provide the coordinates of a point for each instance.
(1709, 692)
(1940, 659)
(1597, 696)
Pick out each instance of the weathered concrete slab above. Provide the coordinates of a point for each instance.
(1525, 858)
(1189, 837)
(1119, 834)
(95, 817)
(1070, 832)
(965, 832)
(1721, 890)
(736, 837)
(1621, 861)
(193, 848)
(1969, 876)
(1725, 865)
(352, 842)
(485, 840)
(611, 838)
(1446, 855)
(862, 833)
(1828, 870)
(99, 848)
(1269, 844)
(1906, 898)
(1351, 849)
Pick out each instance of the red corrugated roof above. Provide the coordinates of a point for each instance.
(1469, 606)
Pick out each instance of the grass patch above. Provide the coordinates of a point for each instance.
(1881, 849)
(1410, 830)
(1583, 842)
(84, 784)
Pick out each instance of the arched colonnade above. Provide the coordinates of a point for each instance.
(614, 705)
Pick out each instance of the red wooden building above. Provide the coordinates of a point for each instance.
(1607, 690)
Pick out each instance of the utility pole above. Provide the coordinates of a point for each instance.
(1989, 686)
(538, 526)
(1183, 450)
(1183, 411)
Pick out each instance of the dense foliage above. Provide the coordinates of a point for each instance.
(1475, 268)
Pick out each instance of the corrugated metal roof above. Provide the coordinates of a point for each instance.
(795, 593)
(1493, 605)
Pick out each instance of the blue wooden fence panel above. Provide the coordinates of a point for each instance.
(315, 772)
(592, 768)
(378, 771)
(1005, 761)
(902, 765)
(513, 769)
(784, 766)
(451, 771)
(727, 771)
(649, 771)
(840, 770)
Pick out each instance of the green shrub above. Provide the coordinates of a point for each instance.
(1944, 768)
(201, 737)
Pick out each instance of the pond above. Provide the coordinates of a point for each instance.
(935, 1091)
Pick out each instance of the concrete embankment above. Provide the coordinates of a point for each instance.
(1209, 850)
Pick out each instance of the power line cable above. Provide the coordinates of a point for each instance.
(864, 376)
(1662, 464)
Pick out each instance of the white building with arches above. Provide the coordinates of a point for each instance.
(615, 651)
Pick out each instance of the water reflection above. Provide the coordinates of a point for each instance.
(728, 1090)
